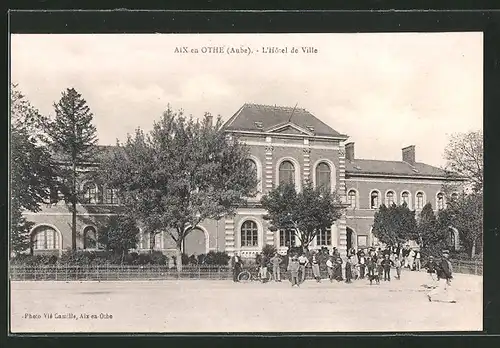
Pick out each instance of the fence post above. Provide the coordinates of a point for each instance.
(475, 268)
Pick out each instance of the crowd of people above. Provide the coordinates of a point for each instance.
(374, 265)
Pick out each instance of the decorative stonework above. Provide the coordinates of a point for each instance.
(269, 167)
(229, 233)
(307, 163)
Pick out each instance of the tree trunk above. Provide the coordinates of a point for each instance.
(178, 257)
(73, 207)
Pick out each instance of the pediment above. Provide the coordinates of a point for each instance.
(289, 128)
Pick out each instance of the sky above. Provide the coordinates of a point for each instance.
(385, 91)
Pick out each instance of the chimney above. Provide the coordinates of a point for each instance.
(349, 151)
(209, 119)
(409, 154)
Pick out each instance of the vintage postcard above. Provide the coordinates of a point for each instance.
(182, 183)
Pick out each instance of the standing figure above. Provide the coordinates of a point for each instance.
(411, 260)
(443, 292)
(329, 268)
(303, 261)
(371, 265)
(338, 269)
(431, 266)
(294, 270)
(362, 265)
(263, 268)
(348, 270)
(315, 267)
(236, 266)
(276, 261)
(380, 268)
(386, 265)
(417, 260)
(355, 267)
(398, 265)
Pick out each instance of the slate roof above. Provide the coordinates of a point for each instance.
(269, 116)
(378, 167)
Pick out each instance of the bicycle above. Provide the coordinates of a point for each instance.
(253, 274)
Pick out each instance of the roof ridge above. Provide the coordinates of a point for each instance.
(276, 106)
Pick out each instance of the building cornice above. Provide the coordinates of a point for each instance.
(284, 135)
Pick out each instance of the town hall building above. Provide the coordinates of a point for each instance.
(286, 145)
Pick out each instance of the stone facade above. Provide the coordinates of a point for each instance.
(305, 142)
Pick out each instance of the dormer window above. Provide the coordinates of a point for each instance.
(258, 125)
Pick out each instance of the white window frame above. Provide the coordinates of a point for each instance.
(424, 200)
(57, 236)
(386, 197)
(333, 173)
(370, 199)
(259, 233)
(84, 230)
(356, 199)
(401, 201)
(298, 183)
(437, 201)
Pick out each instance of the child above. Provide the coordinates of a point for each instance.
(315, 267)
(348, 270)
(386, 264)
(380, 269)
(294, 269)
(329, 267)
(397, 264)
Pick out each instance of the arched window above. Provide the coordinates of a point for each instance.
(286, 173)
(405, 198)
(389, 196)
(351, 198)
(324, 237)
(45, 238)
(287, 238)
(89, 238)
(249, 234)
(158, 241)
(419, 202)
(253, 168)
(323, 177)
(374, 200)
(440, 201)
(90, 193)
(110, 195)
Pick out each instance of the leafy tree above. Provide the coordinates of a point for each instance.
(119, 234)
(395, 225)
(31, 170)
(306, 213)
(432, 230)
(466, 215)
(269, 250)
(464, 156)
(181, 173)
(72, 137)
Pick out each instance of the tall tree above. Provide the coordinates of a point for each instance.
(464, 156)
(432, 230)
(181, 173)
(466, 215)
(118, 234)
(306, 213)
(72, 138)
(31, 170)
(395, 225)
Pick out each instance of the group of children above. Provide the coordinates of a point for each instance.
(374, 266)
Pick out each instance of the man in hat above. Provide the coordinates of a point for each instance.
(303, 261)
(443, 292)
(236, 266)
(275, 261)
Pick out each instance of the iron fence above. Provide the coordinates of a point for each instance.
(467, 267)
(162, 272)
